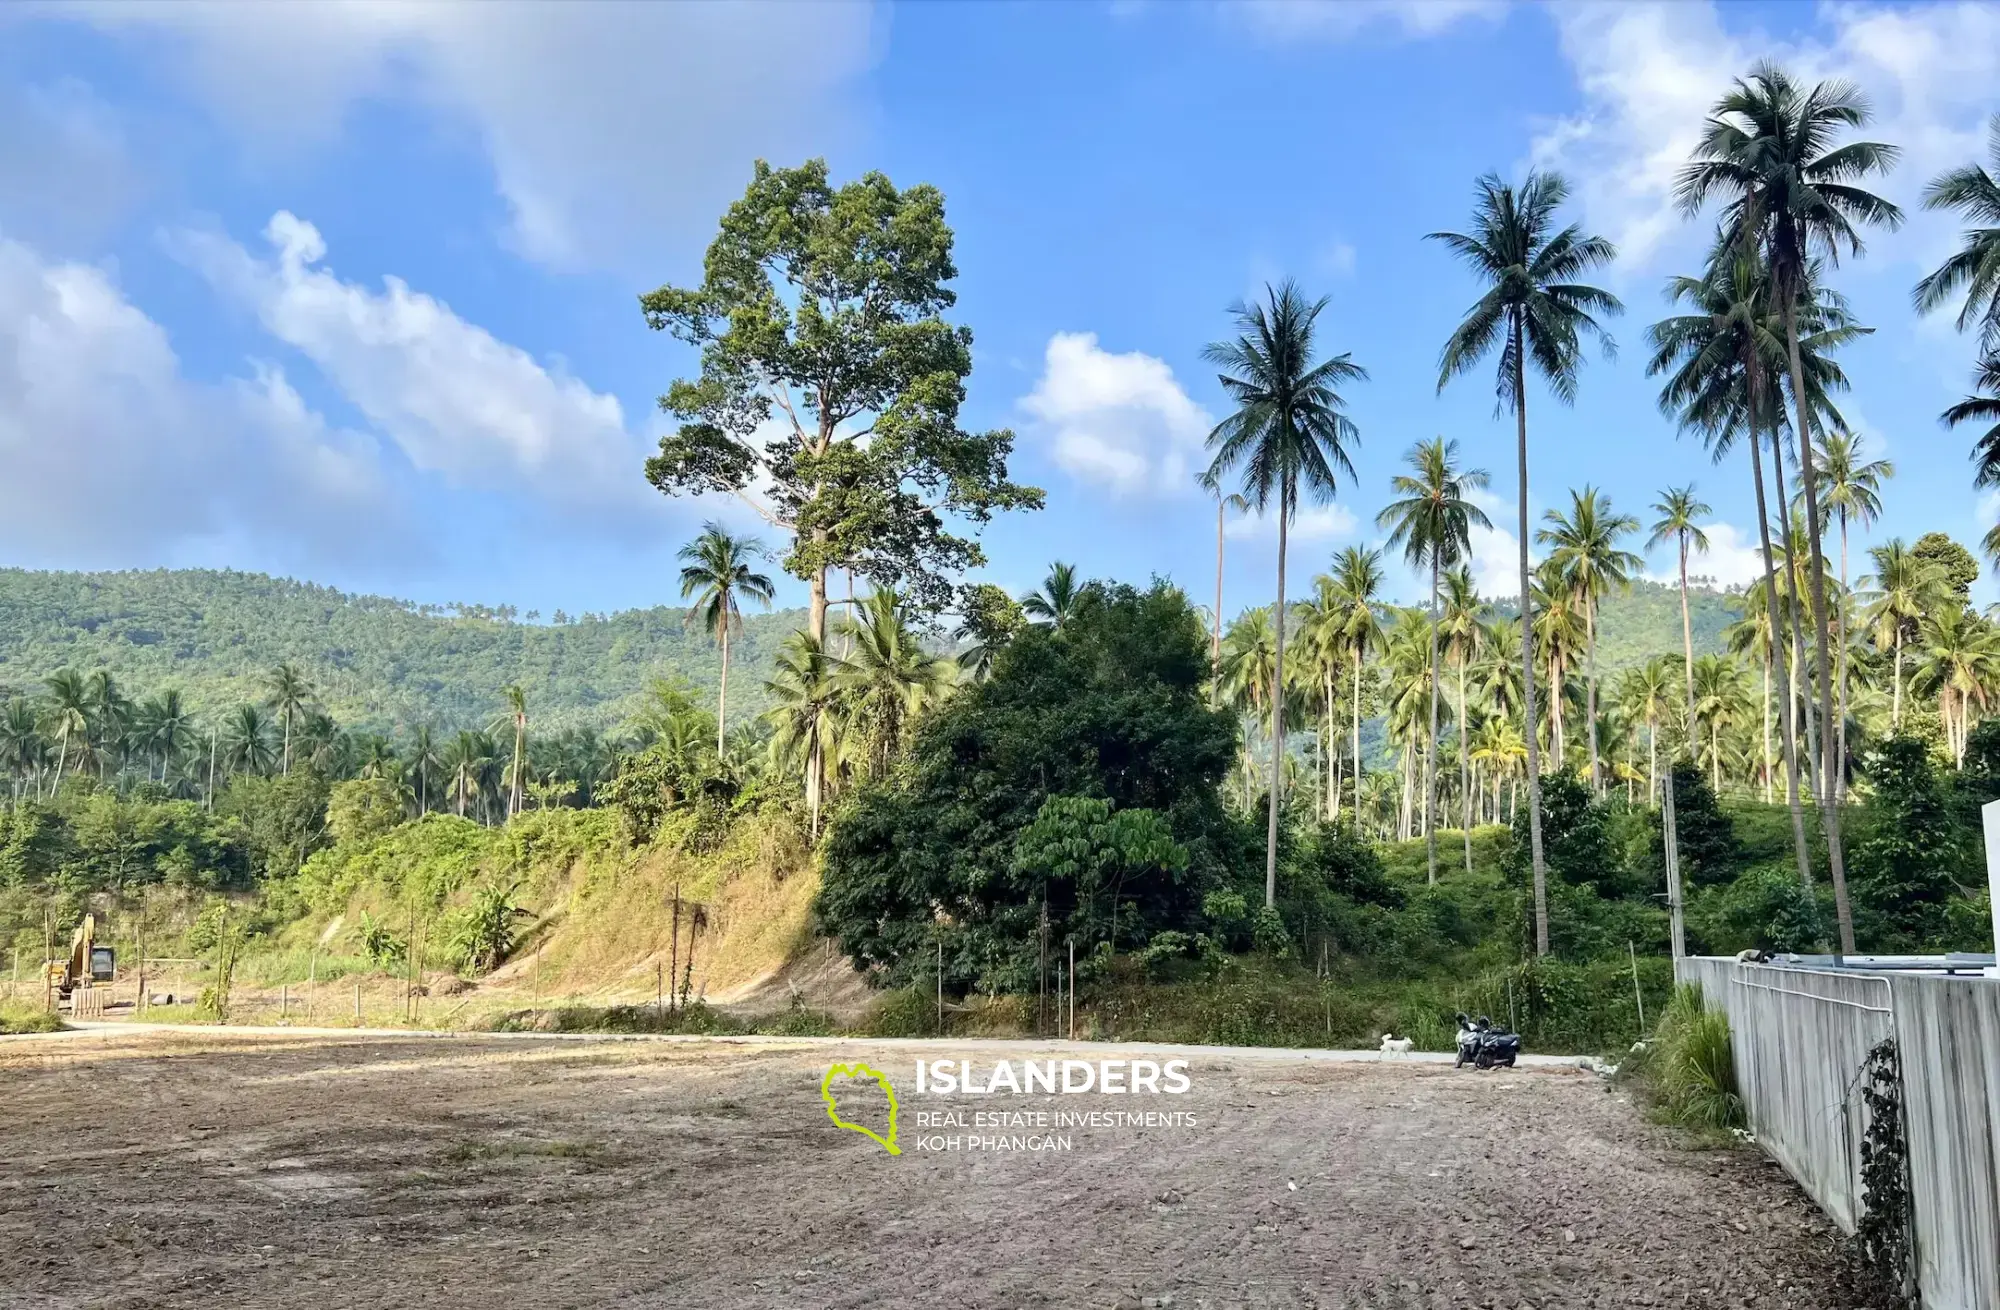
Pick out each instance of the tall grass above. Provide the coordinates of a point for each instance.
(1690, 1065)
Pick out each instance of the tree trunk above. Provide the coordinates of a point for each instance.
(722, 693)
(1277, 712)
(1464, 760)
(1796, 634)
(1431, 746)
(1829, 801)
(1896, 713)
(1536, 861)
(1687, 631)
(1652, 762)
(1799, 847)
(1766, 723)
(1840, 723)
(1215, 639)
(1590, 689)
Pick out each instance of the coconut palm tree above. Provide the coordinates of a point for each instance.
(110, 717)
(1903, 588)
(1584, 550)
(1054, 602)
(516, 717)
(1719, 699)
(1960, 661)
(69, 715)
(1850, 487)
(1982, 406)
(425, 763)
(1535, 312)
(168, 727)
(802, 716)
(1559, 632)
(1357, 587)
(1644, 692)
(1225, 503)
(719, 576)
(1322, 636)
(1464, 635)
(1249, 665)
(1975, 267)
(1768, 150)
(1750, 636)
(1680, 511)
(466, 759)
(888, 677)
(1432, 523)
(1719, 359)
(1289, 434)
(22, 747)
(287, 692)
(247, 741)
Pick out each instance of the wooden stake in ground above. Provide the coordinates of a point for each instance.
(674, 951)
(357, 1005)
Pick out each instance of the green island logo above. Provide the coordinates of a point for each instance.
(860, 1071)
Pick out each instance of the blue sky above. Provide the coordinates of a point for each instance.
(349, 293)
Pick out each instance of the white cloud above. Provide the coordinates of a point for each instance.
(66, 172)
(1339, 20)
(1650, 72)
(111, 455)
(458, 401)
(1734, 558)
(1312, 523)
(1120, 420)
(613, 130)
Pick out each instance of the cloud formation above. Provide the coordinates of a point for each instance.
(1312, 523)
(455, 399)
(613, 130)
(113, 455)
(1340, 20)
(1122, 421)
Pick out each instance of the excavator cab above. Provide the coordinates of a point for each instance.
(87, 962)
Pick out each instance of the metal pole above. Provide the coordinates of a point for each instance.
(1638, 997)
(1670, 831)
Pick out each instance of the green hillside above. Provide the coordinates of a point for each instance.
(378, 663)
(1646, 621)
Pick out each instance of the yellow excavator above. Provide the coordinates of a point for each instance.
(88, 963)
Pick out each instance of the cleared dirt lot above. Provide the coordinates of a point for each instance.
(200, 1169)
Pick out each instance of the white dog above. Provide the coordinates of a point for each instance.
(1397, 1045)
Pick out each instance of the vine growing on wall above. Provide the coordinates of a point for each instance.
(1884, 1233)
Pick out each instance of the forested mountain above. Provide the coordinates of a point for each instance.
(378, 663)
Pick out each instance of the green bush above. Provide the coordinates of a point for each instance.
(1690, 1066)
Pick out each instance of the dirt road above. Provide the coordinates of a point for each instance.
(196, 1169)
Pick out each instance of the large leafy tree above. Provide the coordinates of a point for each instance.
(1770, 151)
(1583, 547)
(1681, 512)
(1290, 435)
(1535, 313)
(718, 576)
(831, 379)
(1431, 521)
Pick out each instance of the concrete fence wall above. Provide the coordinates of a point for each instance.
(1800, 1038)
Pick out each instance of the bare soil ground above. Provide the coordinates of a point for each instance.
(206, 1169)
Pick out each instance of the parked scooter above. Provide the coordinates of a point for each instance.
(1483, 1046)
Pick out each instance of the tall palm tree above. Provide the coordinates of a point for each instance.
(1643, 692)
(1850, 488)
(287, 692)
(1680, 513)
(888, 677)
(466, 758)
(69, 715)
(1225, 502)
(1465, 635)
(1055, 600)
(1979, 407)
(110, 714)
(1903, 589)
(1357, 586)
(1751, 636)
(425, 763)
(1290, 434)
(169, 728)
(1535, 312)
(1559, 631)
(719, 576)
(1322, 636)
(1960, 661)
(802, 716)
(247, 741)
(21, 745)
(516, 717)
(1975, 266)
(1719, 697)
(1432, 523)
(1719, 358)
(1585, 551)
(1768, 149)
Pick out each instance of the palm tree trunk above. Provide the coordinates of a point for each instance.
(1766, 723)
(1431, 746)
(1556, 688)
(62, 754)
(1358, 652)
(1590, 689)
(1215, 638)
(1329, 745)
(1277, 711)
(1715, 756)
(1830, 801)
(288, 741)
(1465, 760)
(1687, 632)
(1799, 848)
(1840, 725)
(1796, 634)
(1652, 762)
(1896, 713)
(722, 692)
(1536, 861)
